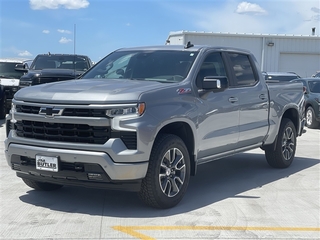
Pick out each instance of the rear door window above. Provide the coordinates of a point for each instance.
(244, 74)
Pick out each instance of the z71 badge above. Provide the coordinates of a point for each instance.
(183, 90)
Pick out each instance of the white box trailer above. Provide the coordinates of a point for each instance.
(274, 52)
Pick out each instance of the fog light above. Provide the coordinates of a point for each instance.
(94, 176)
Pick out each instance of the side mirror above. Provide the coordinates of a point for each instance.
(21, 68)
(215, 82)
(120, 71)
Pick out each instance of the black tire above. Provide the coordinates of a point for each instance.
(41, 186)
(311, 121)
(281, 153)
(168, 173)
(3, 107)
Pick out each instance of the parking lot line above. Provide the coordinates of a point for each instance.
(132, 230)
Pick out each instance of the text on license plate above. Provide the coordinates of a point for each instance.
(47, 163)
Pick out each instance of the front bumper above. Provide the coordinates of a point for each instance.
(78, 167)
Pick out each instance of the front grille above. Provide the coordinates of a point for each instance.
(27, 109)
(70, 112)
(63, 132)
(74, 133)
(83, 112)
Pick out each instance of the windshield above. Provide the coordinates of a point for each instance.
(314, 86)
(60, 62)
(158, 65)
(7, 70)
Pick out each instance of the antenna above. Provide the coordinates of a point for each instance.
(74, 39)
(74, 50)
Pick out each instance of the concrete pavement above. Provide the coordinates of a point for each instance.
(240, 197)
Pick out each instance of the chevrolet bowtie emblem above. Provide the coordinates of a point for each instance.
(50, 111)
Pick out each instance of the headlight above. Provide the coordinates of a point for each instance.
(25, 83)
(127, 111)
(13, 110)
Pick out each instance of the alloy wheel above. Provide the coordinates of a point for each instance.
(309, 117)
(288, 143)
(172, 172)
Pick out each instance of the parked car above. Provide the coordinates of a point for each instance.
(279, 76)
(10, 72)
(316, 75)
(47, 68)
(312, 96)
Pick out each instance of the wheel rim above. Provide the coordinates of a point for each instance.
(172, 172)
(309, 117)
(288, 143)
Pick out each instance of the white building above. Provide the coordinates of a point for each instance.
(274, 53)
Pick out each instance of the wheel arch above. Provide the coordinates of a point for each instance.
(184, 131)
(293, 115)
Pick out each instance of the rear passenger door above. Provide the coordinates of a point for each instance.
(252, 99)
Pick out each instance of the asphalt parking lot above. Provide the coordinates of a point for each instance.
(240, 197)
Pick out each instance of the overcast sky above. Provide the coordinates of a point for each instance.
(97, 27)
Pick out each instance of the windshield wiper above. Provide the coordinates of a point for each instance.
(137, 79)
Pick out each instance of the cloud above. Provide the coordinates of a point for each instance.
(24, 54)
(64, 40)
(250, 8)
(55, 4)
(285, 17)
(316, 10)
(46, 31)
(315, 17)
(64, 31)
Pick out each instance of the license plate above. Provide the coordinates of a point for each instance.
(47, 163)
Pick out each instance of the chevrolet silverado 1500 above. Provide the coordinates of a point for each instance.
(142, 119)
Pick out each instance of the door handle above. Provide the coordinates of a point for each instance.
(262, 96)
(233, 99)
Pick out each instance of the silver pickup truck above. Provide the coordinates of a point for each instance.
(142, 119)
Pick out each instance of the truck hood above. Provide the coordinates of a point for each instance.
(53, 72)
(87, 91)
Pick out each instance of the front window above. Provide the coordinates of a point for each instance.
(156, 65)
(314, 86)
(7, 70)
(62, 62)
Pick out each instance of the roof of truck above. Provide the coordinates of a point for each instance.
(186, 47)
(14, 60)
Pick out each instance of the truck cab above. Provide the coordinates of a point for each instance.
(10, 72)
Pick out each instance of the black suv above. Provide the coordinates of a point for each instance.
(47, 68)
(312, 96)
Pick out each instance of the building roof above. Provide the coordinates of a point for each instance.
(243, 34)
